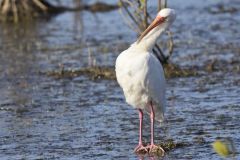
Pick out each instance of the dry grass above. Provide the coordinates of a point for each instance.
(97, 72)
(92, 72)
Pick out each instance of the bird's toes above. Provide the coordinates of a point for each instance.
(140, 149)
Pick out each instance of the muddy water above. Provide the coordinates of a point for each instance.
(79, 118)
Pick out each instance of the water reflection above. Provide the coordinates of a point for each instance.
(148, 157)
(18, 62)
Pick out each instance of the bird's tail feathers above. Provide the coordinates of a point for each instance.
(158, 111)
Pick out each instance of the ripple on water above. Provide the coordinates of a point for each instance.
(47, 118)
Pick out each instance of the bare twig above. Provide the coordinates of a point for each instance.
(145, 14)
(6, 6)
(40, 5)
(141, 17)
(170, 45)
(131, 17)
(15, 11)
(159, 5)
(162, 4)
(129, 13)
(128, 22)
(25, 6)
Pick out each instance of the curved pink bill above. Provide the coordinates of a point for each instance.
(157, 21)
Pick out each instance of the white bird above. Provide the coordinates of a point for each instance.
(141, 75)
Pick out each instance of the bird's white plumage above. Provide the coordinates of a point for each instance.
(141, 75)
(142, 78)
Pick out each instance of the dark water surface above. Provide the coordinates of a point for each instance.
(47, 118)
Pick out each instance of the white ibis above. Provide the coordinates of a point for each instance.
(141, 75)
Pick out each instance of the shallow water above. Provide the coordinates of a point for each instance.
(80, 118)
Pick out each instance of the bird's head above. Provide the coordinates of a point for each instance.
(163, 20)
(168, 14)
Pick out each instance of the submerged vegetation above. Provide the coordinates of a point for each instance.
(166, 145)
(171, 70)
(104, 72)
(18, 10)
(92, 72)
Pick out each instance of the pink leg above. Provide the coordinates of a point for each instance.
(140, 147)
(140, 126)
(152, 116)
(152, 145)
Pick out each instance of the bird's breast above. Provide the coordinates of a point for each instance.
(131, 74)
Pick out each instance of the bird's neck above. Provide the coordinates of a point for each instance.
(148, 42)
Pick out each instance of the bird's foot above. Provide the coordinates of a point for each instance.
(153, 149)
(141, 149)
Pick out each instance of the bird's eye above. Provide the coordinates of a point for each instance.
(167, 18)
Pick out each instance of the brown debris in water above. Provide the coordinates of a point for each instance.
(172, 71)
(92, 72)
(106, 72)
(167, 146)
(100, 7)
(223, 65)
